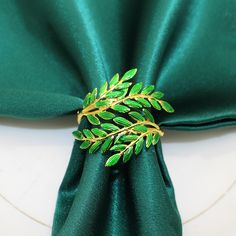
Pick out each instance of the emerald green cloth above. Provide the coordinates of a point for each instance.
(54, 52)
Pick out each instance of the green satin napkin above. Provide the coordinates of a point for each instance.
(54, 52)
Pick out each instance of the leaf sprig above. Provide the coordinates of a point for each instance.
(125, 137)
(119, 96)
(134, 127)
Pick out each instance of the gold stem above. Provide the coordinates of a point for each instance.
(132, 143)
(89, 110)
(127, 128)
(141, 136)
(92, 105)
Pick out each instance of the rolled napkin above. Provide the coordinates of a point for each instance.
(54, 52)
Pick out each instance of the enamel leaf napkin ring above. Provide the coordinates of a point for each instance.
(121, 119)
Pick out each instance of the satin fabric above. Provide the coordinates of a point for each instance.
(54, 52)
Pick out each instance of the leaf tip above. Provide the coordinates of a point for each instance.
(113, 160)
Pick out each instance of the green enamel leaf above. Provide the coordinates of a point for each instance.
(93, 95)
(129, 74)
(95, 147)
(121, 108)
(136, 116)
(124, 92)
(78, 135)
(106, 145)
(113, 160)
(166, 106)
(132, 104)
(148, 89)
(149, 140)
(99, 132)
(155, 139)
(102, 103)
(93, 120)
(85, 144)
(139, 146)
(118, 147)
(114, 80)
(127, 154)
(155, 104)
(129, 137)
(136, 89)
(106, 115)
(158, 95)
(103, 89)
(122, 121)
(117, 139)
(143, 101)
(88, 133)
(123, 85)
(87, 100)
(140, 128)
(148, 115)
(109, 126)
(114, 94)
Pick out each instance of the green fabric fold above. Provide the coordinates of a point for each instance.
(54, 52)
(21, 103)
(133, 199)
